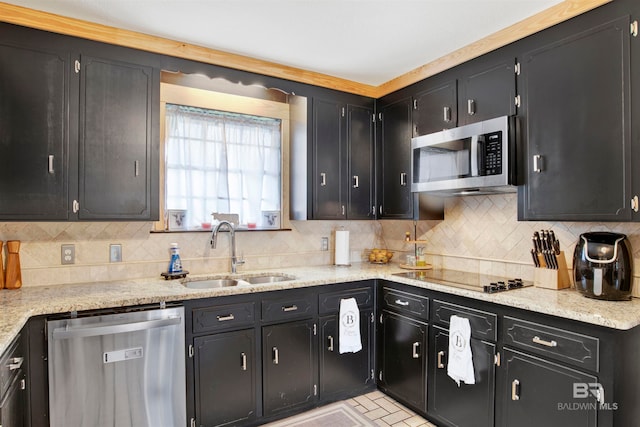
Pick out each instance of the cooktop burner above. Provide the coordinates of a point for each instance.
(470, 281)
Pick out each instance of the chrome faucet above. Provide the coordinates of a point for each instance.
(235, 262)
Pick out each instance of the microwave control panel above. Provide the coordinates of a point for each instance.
(491, 158)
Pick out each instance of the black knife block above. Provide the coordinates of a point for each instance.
(550, 278)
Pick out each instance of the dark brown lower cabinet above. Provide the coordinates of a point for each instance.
(288, 366)
(467, 404)
(225, 378)
(346, 373)
(403, 364)
(542, 393)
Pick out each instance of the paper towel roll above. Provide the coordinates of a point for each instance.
(342, 247)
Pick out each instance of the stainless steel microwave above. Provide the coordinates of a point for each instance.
(479, 158)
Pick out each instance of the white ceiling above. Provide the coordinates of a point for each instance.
(367, 41)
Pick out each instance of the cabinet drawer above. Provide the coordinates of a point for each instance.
(223, 317)
(11, 363)
(405, 303)
(330, 302)
(554, 343)
(288, 308)
(483, 324)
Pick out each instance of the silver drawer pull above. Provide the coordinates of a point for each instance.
(243, 356)
(225, 318)
(51, 170)
(323, 179)
(440, 363)
(16, 363)
(403, 179)
(402, 303)
(540, 341)
(275, 355)
(330, 338)
(414, 350)
(515, 389)
(290, 308)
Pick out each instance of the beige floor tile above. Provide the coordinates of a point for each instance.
(396, 417)
(374, 395)
(414, 421)
(381, 423)
(366, 402)
(376, 414)
(387, 405)
(360, 408)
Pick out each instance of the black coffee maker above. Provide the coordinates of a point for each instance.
(603, 266)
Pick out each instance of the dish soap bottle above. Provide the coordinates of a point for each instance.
(175, 264)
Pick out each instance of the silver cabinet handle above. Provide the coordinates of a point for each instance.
(471, 106)
(414, 350)
(275, 355)
(634, 204)
(330, 339)
(440, 363)
(136, 167)
(323, 179)
(403, 179)
(243, 357)
(356, 181)
(540, 341)
(225, 318)
(446, 114)
(16, 363)
(51, 157)
(515, 389)
(537, 160)
(402, 303)
(290, 308)
(75, 206)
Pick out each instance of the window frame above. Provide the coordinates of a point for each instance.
(201, 98)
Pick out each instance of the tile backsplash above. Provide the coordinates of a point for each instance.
(479, 234)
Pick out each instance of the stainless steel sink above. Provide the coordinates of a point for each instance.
(211, 283)
(256, 280)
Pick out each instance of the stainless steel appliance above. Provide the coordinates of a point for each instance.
(603, 266)
(124, 369)
(469, 281)
(479, 158)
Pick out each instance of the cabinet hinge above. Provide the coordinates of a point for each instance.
(373, 210)
(315, 330)
(75, 206)
(634, 28)
(373, 374)
(516, 101)
(496, 359)
(415, 104)
(191, 350)
(315, 389)
(23, 384)
(381, 318)
(517, 68)
(76, 66)
(193, 422)
(342, 109)
(373, 118)
(379, 116)
(634, 204)
(380, 376)
(373, 318)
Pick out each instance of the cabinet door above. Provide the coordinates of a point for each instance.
(360, 132)
(116, 141)
(541, 393)
(344, 374)
(34, 133)
(225, 378)
(288, 366)
(435, 109)
(469, 405)
(14, 405)
(396, 197)
(403, 362)
(487, 91)
(328, 147)
(577, 127)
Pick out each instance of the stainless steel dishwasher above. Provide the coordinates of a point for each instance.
(120, 369)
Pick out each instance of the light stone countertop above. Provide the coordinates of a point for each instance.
(19, 305)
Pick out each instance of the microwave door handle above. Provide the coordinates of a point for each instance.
(474, 155)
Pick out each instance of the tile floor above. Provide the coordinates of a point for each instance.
(385, 411)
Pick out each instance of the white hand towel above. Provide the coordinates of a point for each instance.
(349, 327)
(460, 364)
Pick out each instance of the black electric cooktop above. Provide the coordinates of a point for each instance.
(470, 281)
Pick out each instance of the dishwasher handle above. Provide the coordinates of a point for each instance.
(119, 328)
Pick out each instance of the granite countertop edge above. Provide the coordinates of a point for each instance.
(19, 305)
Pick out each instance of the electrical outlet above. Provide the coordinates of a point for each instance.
(68, 254)
(115, 253)
(324, 246)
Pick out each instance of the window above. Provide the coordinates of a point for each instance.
(227, 159)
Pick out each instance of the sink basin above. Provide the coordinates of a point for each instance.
(211, 283)
(256, 280)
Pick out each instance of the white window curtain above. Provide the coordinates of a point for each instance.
(221, 162)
